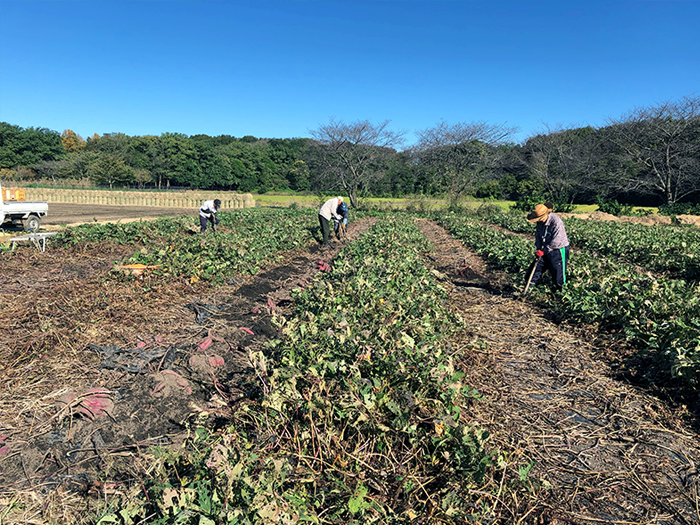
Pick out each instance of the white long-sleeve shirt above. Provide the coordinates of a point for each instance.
(329, 209)
(207, 209)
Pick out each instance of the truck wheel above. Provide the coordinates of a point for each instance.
(32, 223)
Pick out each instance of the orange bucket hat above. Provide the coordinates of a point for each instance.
(540, 211)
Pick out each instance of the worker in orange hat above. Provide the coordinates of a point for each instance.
(551, 244)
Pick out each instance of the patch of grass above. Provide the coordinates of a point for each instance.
(590, 208)
(286, 200)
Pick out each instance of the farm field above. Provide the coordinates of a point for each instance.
(251, 377)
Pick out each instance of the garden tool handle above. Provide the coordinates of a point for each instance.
(532, 272)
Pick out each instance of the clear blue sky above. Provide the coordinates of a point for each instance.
(280, 68)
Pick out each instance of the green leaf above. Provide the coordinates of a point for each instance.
(356, 503)
(524, 471)
(109, 518)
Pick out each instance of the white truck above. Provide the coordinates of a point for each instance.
(27, 214)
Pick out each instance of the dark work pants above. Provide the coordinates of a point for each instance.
(555, 262)
(203, 224)
(325, 228)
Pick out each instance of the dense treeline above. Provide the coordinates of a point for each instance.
(649, 156)
(201, 162)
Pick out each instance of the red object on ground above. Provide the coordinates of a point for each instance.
(91, 404)
(216, 360)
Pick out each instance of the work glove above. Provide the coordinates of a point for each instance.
(539, 253)
(216, 221)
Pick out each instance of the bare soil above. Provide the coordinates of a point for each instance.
(94, 370)
(62, 214)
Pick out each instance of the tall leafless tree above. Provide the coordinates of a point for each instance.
(354, 155)
(565, 162)
(665, 140)
(461, 154)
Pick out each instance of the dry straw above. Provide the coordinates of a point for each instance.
(186, 199)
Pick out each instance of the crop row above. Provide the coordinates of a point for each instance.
(656, 314)
(246, 241)
(362, 416)
(664, 249)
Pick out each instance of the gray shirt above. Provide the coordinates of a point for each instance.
(550, 234)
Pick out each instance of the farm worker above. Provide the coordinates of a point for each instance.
(208, 213)
(344, 214)
(328, 210)
(551, 244)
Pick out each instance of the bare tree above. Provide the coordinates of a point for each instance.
(461, 154)
(665, 140)
(565, 162)
(354, 155)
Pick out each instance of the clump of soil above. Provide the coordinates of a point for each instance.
(693, 220)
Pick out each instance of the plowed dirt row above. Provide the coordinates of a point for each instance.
(611, 452)
(71, 214)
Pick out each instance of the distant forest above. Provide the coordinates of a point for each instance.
(650, 156)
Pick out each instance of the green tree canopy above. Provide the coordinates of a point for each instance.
(28, 146)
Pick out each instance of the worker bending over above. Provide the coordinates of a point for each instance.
(208, 213)
(341, 223)
(551, 243)
(328, 210)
